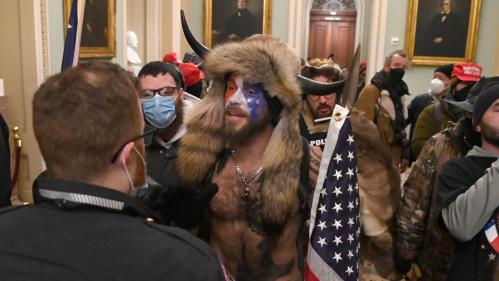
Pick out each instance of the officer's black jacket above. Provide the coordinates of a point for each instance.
(85, 232)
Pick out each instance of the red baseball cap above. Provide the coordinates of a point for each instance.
(191, 73)
(171, 58)
(467, 72)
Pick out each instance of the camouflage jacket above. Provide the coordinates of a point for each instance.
(418, 236)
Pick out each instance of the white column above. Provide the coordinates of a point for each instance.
(153, 22)
(175, 27)
(496, 69)
(299, 17)
(124, 35)
(359, 24)
(377, 33)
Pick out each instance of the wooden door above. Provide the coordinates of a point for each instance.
(332, 33)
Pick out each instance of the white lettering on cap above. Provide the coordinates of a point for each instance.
(472, 70)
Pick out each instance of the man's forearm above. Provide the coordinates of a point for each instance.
(472, 209)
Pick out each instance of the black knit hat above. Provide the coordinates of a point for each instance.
(488, 96)
(445, 69)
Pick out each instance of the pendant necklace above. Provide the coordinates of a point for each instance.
(245, 181)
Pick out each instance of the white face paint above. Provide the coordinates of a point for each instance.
(234, 93)
(245, 103)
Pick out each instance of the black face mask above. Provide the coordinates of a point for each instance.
(461, 94)
(396, 74)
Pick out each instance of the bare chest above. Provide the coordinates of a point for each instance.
(234, 196)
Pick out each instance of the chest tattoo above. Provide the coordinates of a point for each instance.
(267, 269)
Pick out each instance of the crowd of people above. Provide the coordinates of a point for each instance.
(209, 170)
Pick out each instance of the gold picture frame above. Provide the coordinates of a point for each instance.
(428, 26)
(217, 13)
(98, 30)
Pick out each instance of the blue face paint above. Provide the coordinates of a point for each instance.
(257, 104)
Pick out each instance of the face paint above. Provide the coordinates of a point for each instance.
(257, 104)
(249, 98)
(246, 108)
(234, 93)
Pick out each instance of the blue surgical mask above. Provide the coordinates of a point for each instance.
(159, 111)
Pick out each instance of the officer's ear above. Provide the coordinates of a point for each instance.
(125, 153)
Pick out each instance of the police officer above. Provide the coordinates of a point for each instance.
(89, 127)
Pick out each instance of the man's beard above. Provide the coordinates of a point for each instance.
(490, 134)
(234, 136)
(318, 114)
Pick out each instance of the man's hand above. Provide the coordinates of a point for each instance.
(404, 164)
(185, 205)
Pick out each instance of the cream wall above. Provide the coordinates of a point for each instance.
(21, 66)
(56, 32)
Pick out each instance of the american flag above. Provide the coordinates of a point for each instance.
(71, 53)
(333, 248)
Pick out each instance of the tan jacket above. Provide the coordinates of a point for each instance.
(378, 175)
(378, 108)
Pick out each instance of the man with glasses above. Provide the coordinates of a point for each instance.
(164, 104)
(317, 110)
(89, 127)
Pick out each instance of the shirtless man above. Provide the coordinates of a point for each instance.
(244, 136)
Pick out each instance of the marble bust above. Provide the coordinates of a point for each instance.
(134, 63)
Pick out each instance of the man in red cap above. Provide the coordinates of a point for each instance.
(436, 117)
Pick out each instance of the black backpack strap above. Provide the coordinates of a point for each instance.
(304, 191)
(303, 128)
(304, 188)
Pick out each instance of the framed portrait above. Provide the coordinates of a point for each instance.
(234, 20)
(442, 31)
(98, 30)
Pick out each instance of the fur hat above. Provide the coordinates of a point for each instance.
(259, 59)
(324, 67)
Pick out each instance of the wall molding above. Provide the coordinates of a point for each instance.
(45, 38)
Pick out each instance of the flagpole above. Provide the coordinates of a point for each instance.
(81, 14)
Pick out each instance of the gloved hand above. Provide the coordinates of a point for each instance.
(184, 205)
(402, 265)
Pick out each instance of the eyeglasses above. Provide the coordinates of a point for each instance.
(164, 92)
(148, 132)
(316, 97)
